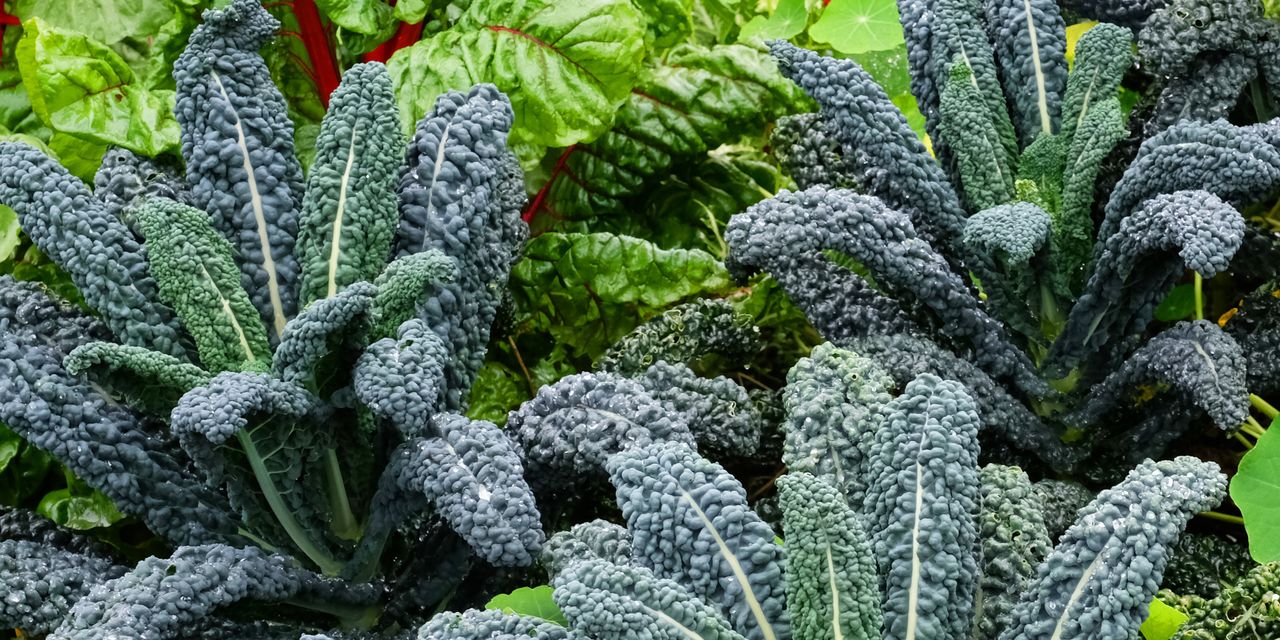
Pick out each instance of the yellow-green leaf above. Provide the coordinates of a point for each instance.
(82, 87)
(566, 66)
(1162, 621)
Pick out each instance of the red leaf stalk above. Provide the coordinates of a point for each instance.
(316, 39)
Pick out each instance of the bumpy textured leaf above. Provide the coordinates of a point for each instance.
(905, 357)
(1193, 366)
(1098, 131)
(1030, 43)
(831, 584)
(1060, 500)
(149, 381)
(984, 163)
(1004, 243)
(1245, 608)
(693, 102)
(493, 625)
(349, 210)
(808, 150)
(1138, 265)
(833, 400)
(1130, 13)
(571, 427)
(162, 597)
(43, 582)
(194, 266)
(921, 510)
(241, 431)
(402, 378)
(318, 334)
(30, 310)
(460, 193)
(104, 261)
(588, 289)
(125, 177)
(1100, 578)
(594, 540)
(237, 141)
(891, 162)
(1208, 91)
(80, 86)
(791, 227)
(567, 67)
(690, 522)
(472, 475)
(682, 334)
(608, 600)
(720, 413)
(402, 284)
(66, 416)
(1103, 54)
(1014, 542)
(1234, 163)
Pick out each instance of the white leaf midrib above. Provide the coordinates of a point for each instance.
(231, 315)
(1042, 98)
(739, 574)
(260, 218)
(335, 249)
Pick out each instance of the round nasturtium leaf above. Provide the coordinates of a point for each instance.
(859, 26)
(1254, 489)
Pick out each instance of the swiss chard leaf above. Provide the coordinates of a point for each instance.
(588, 290)
(79, 86)
(566, 66)
(1254, 488)
(697, 100)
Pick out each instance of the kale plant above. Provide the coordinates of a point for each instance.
(898, 534)
(985, 264)
(274, 378)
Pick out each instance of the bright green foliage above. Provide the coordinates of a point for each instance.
(833, 400)
(1254, 489)
(349, 210)
(573, 63)
(831, 585)
(1014, 542)
(594, 288)
(80, 86)
(197, 274)
(984, 161)
(692, 102)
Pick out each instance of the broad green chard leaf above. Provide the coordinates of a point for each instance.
(566, 66)
(78, 506)
(368, 17)
(81, 87)
(697, 100)
(588, 290)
